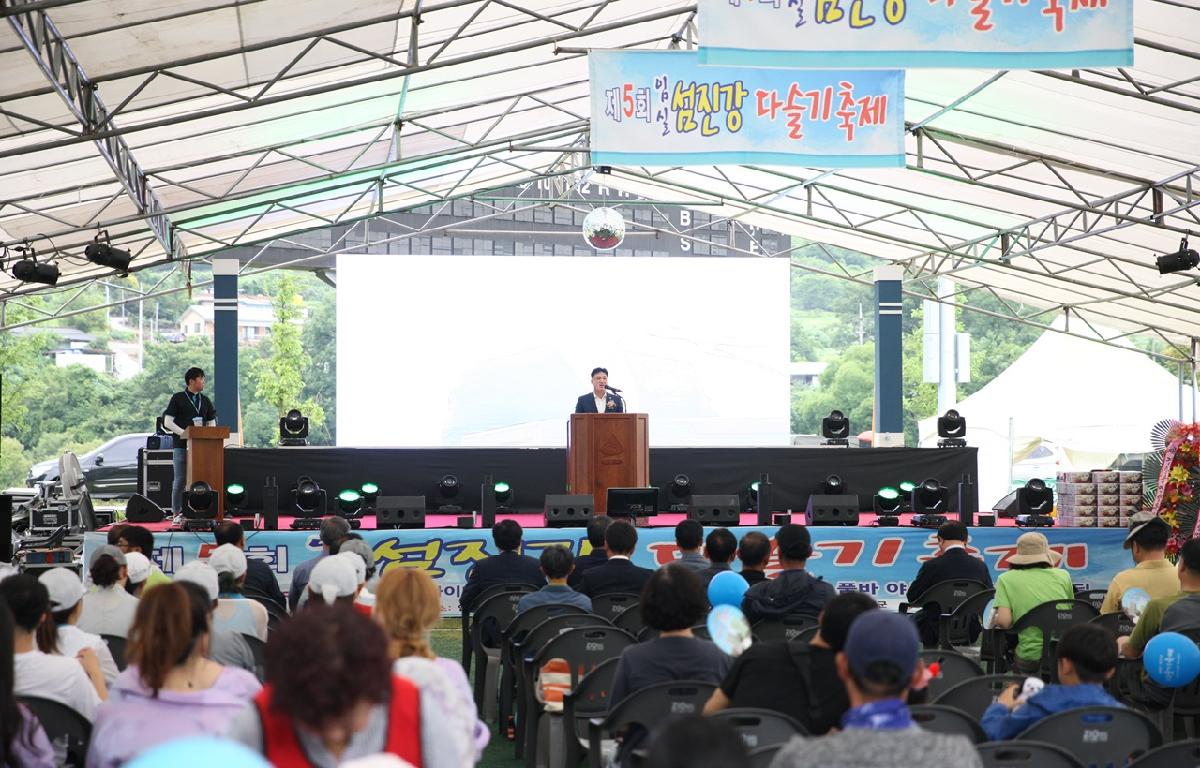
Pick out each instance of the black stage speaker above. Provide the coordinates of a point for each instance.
(143, 510)
(569, 510)
(1006, 507)
(270, 501)
(831, 510)
(762, 504)
(487, 502)
(968, 501)
(400, 512)
(6, 506)
(156, 473)
(716, 509)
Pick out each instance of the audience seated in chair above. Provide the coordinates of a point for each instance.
(333, 530)
(136, 538)
(754, 550)
(76, 682)
(23, 741)
(108, 609)
(234, 612)
(60, 635)
(331, 697)
(1033, 578)
(170, 689)
(689, 535)
(556, 564)
(795, 678)
(259, 576)
(598, 555)
(878, 666)
(138, 567)
(1163, 614)
(795, 590)
(408, 607)
(227, 648)
(354, 544)
(696, 742)
(1087, 657)
(720, 547)
(618, 573)
(333, 580)
(508, 566)
(1147, 544)
(952, 561)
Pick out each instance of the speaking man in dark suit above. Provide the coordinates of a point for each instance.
(509, 566)
(601, 399)
(952, 562)
(618, 573)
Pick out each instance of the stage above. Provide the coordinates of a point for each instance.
(878, 561)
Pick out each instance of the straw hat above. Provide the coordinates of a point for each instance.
(1033, 547)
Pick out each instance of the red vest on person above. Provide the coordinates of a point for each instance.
(281, 747)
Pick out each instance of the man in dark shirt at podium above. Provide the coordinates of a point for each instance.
(600, 399)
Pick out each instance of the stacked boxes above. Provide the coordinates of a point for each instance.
(1077, 500)
(1130, 495)
(1102, 498)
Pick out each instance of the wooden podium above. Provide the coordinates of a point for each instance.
(607, 450)
(206, 460)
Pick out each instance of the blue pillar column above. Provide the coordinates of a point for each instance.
(225, 345)
(889, 358)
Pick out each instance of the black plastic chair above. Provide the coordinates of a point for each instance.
(956, 628)
(1117, 623)
(584, 649)
(1025, 754)
(116, 646)
(649, 708)
(943, 598)
(784, 628)
(1098, 736)
(467, 610)
(650, 633)
(977, 694)
(588, 699)
(523, 652)
(1052, 618)
(761, 727)
(631, 620)
(613, 605)
(1185, 702)
(937, 718)
(492, 614)
(63, 724)
(513, 634)
(764, 756)
(259, 649)
(953, 668)
(1180, 754)
(271, 604)
(1093, 596)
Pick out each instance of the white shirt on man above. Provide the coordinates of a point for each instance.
(108, 611)
(601, 403)
(57, 678)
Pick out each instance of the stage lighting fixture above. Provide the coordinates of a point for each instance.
(200, 500)
(1180, 261)
(835, 428)
(309, 502)
(833, 485)
(503, 493)
(952, 428)
(906, 494)
(370, 494)
(679, 492)
(888, 505)
(106, 255)
(447, 491)
(293, 428)
(931, 498)
(235, 497)
(350, 504)
(1035, 498)
(31, 270)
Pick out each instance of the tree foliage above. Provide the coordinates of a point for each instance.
(278, 374)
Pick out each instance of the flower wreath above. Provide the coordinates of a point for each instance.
(1171, 491)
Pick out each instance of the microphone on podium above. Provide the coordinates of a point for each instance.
(612, 389)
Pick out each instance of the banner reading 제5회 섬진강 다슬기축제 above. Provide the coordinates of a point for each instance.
(661, 108)
(999, 34)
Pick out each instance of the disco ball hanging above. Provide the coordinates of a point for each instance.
(604, 229)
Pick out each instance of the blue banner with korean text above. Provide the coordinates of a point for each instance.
(661, 108)
(878, 561)
(1001, 34)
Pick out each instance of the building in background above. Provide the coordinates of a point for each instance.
(255, 316)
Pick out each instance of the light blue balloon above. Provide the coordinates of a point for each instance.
(727, 588)
(1171, 660)
(199, 752)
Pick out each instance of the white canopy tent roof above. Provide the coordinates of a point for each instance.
(1090, 400)
(242, 122)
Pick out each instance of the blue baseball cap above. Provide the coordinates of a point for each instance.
(882, 636)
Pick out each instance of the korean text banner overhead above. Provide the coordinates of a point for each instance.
(656, 108)
(1002, 34)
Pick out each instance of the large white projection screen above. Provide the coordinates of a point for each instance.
(495, 350)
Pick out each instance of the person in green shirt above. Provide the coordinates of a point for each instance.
(1032, 579)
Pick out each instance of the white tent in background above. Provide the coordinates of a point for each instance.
(1091, 400)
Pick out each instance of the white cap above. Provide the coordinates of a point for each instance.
(360, 568)
(333, 577)
(64, 586)
(228, 559)
(137, 567)
(199, 572)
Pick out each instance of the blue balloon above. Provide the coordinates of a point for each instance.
(727, 588)
(1171, 660)
(199, 752)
